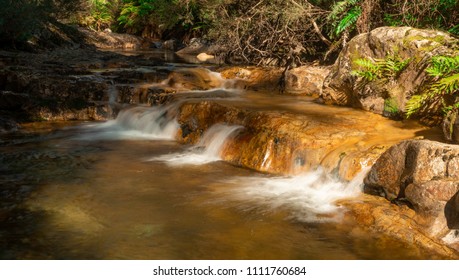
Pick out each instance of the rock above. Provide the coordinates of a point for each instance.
(198, 46)
(194, 79)
(110, 40)
(204, 57)
(387, 97)
(412, 162)
(450, 126)
(423, 173)
(304, 80)
(402, 223)
(172, 45)
(286, 143)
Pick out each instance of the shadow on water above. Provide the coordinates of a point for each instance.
(29, 161)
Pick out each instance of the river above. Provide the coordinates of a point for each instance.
(125, 189)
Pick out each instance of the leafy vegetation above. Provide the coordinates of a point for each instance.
(443, 87)
(100, 15)
(285, 32)
(388, 68)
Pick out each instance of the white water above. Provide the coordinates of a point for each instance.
(310, 197)
(136, 123)
(207, 150)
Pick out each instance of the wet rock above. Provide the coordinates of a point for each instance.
(341, 87)
(400, 222)
(286, 143)
(194, 79)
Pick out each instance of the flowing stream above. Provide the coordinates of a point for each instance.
(124, 189)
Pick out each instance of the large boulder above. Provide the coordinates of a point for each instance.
(389, 97)
(425, 174)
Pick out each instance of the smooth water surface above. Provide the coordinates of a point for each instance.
(66, 197)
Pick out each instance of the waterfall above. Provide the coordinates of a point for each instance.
(138, 122)
(207, 150)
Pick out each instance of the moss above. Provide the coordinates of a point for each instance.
(436, 42)
(391, 109)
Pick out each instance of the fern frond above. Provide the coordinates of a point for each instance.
(443, 65)
(341, 7)
(414, 104)
(446, 86)
(349, 20)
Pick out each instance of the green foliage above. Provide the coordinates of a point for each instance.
(443, 66)
(343, 16)
(391, 107)
(348, 21)
(438, 14)
(100, 14)
(443, 87)
(388, 68)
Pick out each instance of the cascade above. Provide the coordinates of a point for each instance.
(207, 150)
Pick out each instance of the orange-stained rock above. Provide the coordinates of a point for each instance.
(304, 80)
(287, 143)
(375, 214)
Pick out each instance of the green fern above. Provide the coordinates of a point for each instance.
(343, 16)
(415, 103)
(445, 73)
(340, 7)
(349, 20)
(443, 65)
(368, 69)
(388, 68)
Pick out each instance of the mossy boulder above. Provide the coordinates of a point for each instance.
(387, 96)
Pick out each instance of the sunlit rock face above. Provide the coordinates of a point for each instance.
(423, 173)
(109, 40)
(286, 143)
(401, 222)
(341, 87)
